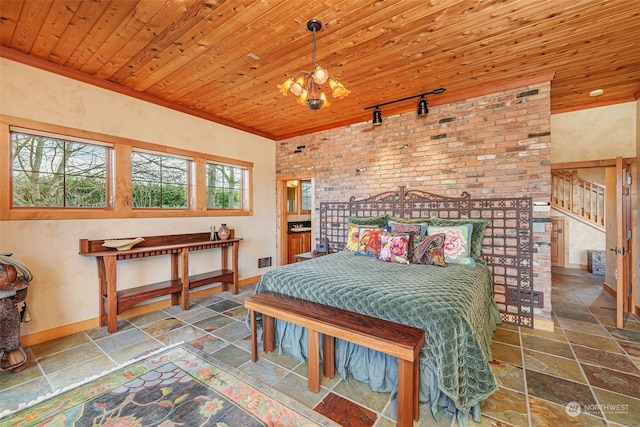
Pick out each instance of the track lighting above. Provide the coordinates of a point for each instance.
(423, 105)
(423, 108)
(377, 116)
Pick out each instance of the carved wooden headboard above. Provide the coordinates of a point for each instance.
(507, 246)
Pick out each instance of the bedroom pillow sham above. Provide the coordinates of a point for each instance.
(429, 250)
(399, 227)
(457, 244)
(422, 222)
(353, 236)
(395, 247)
(370, 242)
(376, 221)
(477, 235)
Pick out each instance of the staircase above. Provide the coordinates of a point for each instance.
(578, 197)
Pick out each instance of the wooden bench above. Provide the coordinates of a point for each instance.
(401, 341)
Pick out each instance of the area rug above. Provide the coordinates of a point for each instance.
(180, 386)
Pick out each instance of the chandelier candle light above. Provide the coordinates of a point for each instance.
(306, 85)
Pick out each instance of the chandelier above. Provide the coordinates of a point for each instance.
(306, 85)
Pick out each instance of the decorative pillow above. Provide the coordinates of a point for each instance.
(479, 225)
(353, 236)
(370, 243)
(376, 221)
(395, 247)
(423, 222)
(429, 250)
(399, 227)
(456, 244)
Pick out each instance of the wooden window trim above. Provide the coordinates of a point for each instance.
(119, 185)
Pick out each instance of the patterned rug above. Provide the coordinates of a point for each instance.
(179, 386)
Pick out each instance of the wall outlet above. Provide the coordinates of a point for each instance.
(264, 262)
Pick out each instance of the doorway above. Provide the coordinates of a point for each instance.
(296, 224)
(620, 231)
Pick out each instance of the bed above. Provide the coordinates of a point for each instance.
(456, 305)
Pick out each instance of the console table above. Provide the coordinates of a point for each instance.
(178, 246)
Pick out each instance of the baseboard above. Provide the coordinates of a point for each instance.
(72, 328)
(611, 290)
(577, 266)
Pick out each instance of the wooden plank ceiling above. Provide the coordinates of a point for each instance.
(222, 60)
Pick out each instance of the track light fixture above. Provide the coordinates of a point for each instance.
(306, 85)
(423, 105)
(377, 116)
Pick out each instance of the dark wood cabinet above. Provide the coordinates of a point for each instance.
(298, 243)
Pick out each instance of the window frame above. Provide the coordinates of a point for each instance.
(189, 182)
(119, 178)
(244, 188)
(65, 139)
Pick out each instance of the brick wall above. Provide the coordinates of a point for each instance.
(496, 145)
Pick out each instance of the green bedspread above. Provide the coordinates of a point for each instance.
(454, 305)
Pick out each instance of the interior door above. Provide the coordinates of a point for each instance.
(623, 241)
(557, 242)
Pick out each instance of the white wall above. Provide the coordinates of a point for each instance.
(594, 134)
(582, 238)
(65, 285)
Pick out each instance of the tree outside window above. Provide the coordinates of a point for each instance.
(159, 181)
(52, 174)
(225, 186)
(55, 172)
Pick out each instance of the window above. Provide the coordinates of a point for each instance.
(305, 190)
(299, 196)
(54, 171)
(159, 181)
(226, 186)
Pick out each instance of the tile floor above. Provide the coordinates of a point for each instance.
(585, 360)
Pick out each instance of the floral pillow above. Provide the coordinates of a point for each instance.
(353, 236)
(370, 243)
(429, 250)
(395, 247)
(457, 243)
(477, 235)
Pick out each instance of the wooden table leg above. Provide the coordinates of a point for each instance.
(313, 360)
(236, 246)
(112, 293)
(416, 386)
(268, 334)
(225, 264)
(405, 393)
(102, 279)
(183, 276)
(328, 356)
(254, 337)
